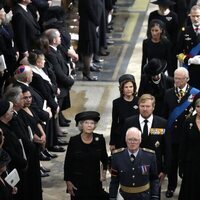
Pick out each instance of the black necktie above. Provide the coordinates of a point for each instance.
(145, 129)
(132, 157)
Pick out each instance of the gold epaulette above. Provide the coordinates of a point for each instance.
(183, 29)
(148, 150)
(118, 150)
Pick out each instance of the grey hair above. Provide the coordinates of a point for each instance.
(80, 125)
(183, 70)
(50, 34)
(13, 94)
(134, 130)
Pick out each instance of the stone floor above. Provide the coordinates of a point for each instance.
(130, 25)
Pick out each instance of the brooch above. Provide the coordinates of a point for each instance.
(191, 124)
(157, 144)
(96, 139)
(168, 18)
(190, 98)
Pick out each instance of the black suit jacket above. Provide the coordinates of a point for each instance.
(160, 143)
(61, 69)
(25, 27)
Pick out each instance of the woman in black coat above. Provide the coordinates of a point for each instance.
(85, 152)
(124, 106)
(155, 82)
(156, 45)
(189, 157)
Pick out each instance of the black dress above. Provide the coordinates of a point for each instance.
(160, 50)
(190, 160)
(172, 27)
(82, 166)
(120, 111)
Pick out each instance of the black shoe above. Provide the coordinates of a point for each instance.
(44, 157)
(97, 66)
(49, 154)
(62, 143)
(98, 60)
(43, 174)
(56, 149)
(169, 193)
(94, 69)
(63, 123)
(44, 169)
(109, 42)
(60, 134)
(104, 53)
(68, 121)
(89, 78)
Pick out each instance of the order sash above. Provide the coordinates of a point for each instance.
(193, 52)
(179, 109)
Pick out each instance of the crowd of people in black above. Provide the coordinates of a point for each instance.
(37, 73)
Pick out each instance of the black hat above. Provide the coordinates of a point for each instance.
(4, 158)
(92, 115)
(4, 106)
(126, 77)
(154, 67)
(164, 2)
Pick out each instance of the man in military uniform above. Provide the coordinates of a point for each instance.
(154, 134)
(135, 170)
(177, 107)
(188, 47)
